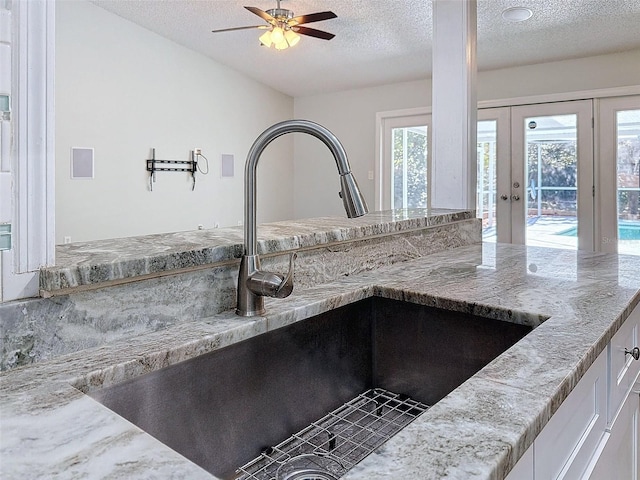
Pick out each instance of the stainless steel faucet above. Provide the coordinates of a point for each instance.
(254, 284)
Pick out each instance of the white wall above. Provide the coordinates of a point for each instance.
(351, 116)
(122, 90)
(582, 74)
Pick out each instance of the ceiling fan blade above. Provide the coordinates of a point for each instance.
(312, 32)
(262, 14)
(313, 17)
(240, 28)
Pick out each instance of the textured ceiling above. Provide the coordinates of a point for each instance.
(379, 42)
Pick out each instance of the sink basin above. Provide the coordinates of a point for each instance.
(224, 408)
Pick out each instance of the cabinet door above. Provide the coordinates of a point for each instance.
(620, 457)
(624, 369)
(567, 443)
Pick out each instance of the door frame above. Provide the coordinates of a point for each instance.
(386, 121)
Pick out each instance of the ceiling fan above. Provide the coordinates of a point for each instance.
(283, 29)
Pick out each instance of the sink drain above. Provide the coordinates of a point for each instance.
(309, 467)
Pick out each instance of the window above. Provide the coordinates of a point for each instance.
(404, 161)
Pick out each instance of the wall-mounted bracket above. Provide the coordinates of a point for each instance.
(191, 166)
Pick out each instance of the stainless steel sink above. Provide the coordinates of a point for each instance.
(225, 408)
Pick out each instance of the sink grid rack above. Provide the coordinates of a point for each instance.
(340, 439)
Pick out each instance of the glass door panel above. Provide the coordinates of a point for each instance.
(628, 181)
(493, 205)
(619, 175)
(552, 175)
(550, 194)
(486, 203)
(409, 167)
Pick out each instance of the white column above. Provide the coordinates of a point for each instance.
(32, 152)
(454, 104)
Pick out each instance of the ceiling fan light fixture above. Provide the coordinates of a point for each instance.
(291, 37)
(277, 35)
(283, 28)
(265, 39)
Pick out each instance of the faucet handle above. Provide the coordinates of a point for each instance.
(268, 284)
(286, 286)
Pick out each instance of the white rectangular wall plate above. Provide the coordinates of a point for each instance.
(227, 167)
(81, 162)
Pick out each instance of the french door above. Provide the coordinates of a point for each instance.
(619, 175)
(539, 182)
(494, 173)
(535, 174)
(404, 168)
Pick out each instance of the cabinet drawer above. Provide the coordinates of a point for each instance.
(624, 369)
(566, 444)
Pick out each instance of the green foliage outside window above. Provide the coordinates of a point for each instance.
(629, 178)
(410, 146)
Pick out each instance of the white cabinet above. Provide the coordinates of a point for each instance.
(619, 458)
(595, 434)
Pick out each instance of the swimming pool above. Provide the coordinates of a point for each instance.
(626, 231)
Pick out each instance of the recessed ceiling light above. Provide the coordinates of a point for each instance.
(517, 14)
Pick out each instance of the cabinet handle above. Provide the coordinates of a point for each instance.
(634, 352)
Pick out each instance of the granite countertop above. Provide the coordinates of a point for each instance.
(85, 265)
(52, 430)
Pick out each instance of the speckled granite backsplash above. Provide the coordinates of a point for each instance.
(204, 280)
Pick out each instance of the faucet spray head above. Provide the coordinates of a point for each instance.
(354, 203)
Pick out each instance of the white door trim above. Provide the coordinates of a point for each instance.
(561, 97)
(33, 161)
